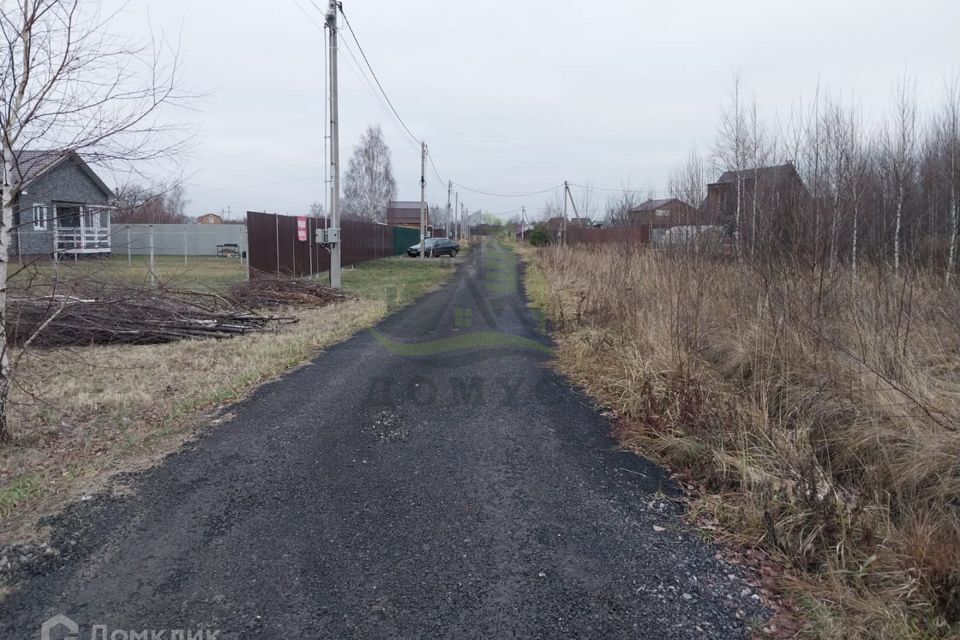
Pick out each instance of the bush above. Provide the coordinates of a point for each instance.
(539, 237)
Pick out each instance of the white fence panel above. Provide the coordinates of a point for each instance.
(176, 239)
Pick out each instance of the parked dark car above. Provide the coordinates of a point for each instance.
(435, 247)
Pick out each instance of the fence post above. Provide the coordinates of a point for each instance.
(153, 277)
(245, 250)
(129, 252)
(276, 242)
(185, 263)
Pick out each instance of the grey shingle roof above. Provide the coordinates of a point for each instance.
(31, 164)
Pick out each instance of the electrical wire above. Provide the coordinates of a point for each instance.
(508, 195)
(392, 109)
(654, 192)
(374, 74)
(306, 14)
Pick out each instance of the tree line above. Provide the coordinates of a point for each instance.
(884, 192)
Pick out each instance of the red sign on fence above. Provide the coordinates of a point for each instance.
(302, 228)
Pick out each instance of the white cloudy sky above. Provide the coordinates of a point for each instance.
(519, 95)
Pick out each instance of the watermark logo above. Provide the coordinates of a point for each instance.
(60, 627)
(53, 629)
(463, 317)
(495, 315)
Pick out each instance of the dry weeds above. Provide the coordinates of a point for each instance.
(821, 407)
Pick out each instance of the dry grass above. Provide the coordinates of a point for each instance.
(820, 410)
(81, 415)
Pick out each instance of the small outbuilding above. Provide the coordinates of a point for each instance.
(210, 218)
(62, 207)
(407, 214)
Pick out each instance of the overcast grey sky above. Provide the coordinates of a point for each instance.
(520, 95)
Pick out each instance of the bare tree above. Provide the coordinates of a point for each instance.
(838, 158)
(585, 204)
(949, 132)
(369, 184)
(899, 156)
(136, 204)
(619, 205)
(438, 217)
(689, 181)
(70, 85)
(856, 181)
(316, 210)
(732, 150)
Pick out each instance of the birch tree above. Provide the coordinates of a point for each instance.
(70, 84)
(688, 182)
(949, 131)
(732, 146)
(899, 158)
(369, 184)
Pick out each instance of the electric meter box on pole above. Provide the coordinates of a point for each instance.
(330, 235)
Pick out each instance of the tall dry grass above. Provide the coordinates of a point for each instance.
(819, 408)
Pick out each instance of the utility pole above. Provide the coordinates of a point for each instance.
(332, 234)
(523, 218)
(449, 213)
(563, 221)
(456, 214)
(423, 197)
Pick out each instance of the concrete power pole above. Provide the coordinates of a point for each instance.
(423, 197)
(523, 218)
(456, 214)
(449, 213)
(333, 233)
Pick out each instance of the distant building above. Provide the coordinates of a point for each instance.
(407, 214)
(664, 214)
(777, 188)
(210, 218)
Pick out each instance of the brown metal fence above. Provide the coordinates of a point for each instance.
(275, 247)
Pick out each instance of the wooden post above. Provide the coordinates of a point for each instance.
(129, 251)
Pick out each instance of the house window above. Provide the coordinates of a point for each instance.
(662, 213)
(39, 216)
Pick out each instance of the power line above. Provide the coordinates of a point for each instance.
(508, 195)
(305, 13)
(358, 70)
(374, 74)
(587, 187)
(414, 139)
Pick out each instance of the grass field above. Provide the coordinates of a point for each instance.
(200, 272)
(79, 416)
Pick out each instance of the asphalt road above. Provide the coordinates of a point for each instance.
(432, 478)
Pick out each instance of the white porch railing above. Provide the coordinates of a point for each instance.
(83, 239)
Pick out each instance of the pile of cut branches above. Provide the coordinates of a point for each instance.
(264, 290)
(89, 311)
(126, 316)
